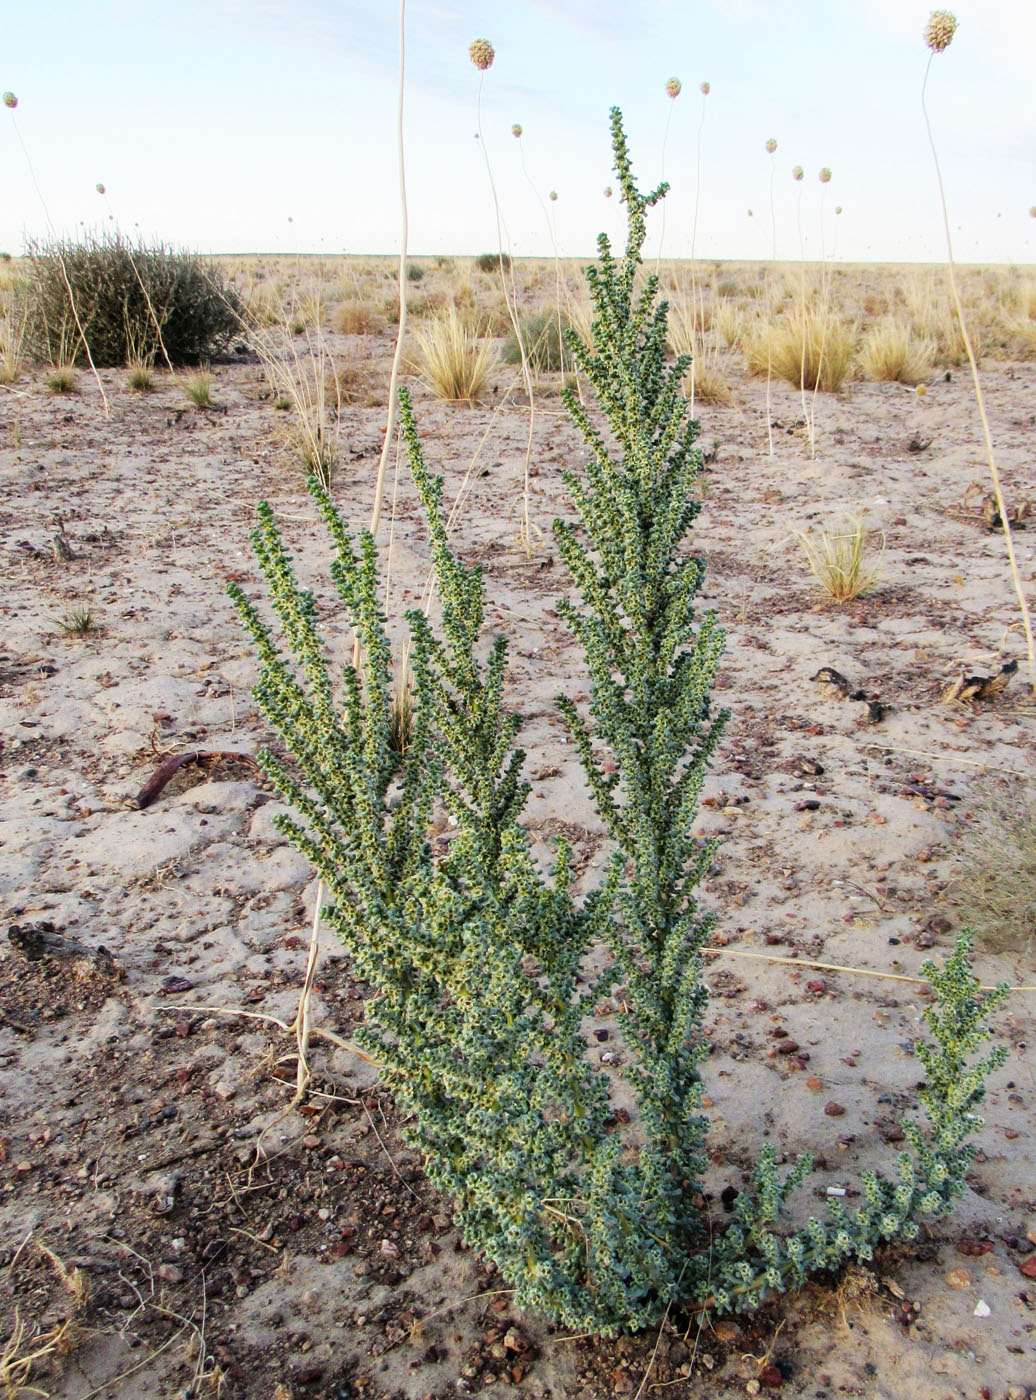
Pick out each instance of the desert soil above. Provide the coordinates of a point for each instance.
(157, 1197)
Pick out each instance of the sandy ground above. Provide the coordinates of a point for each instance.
(130, 1110)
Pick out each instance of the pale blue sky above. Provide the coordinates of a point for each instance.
(212, 123)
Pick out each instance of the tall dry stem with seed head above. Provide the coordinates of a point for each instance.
(705, 89)
(673, 89)
(482, 54)
(938, 34)
(11, 102)
(771, 286)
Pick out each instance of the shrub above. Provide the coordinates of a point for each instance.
(492, 262)
(132, 302)
(414, 272)
(478, 963)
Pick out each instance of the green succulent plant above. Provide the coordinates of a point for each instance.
(478, 962)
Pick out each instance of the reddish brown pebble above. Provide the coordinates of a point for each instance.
(973, 1249)
(1029, 1267)
(726, 1332)
(172, 985)
(814, 1083)
(817, 985)
(833, 1110)
(787, 1047)
(771, 1376)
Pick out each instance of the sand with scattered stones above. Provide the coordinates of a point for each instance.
(129, 1119)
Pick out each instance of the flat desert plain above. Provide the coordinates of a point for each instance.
(167, 1227)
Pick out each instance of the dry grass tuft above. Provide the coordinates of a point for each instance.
(842, 561)
(306, 382)
(140, 376)
(454, 363)
(728, 321)
(993, 878)
(892, 353)
(27, 1348)
(63, 379)
(198, 387)
(357, 318)
(705, 382)
(262, 306)
(12, 343)
(811, 350)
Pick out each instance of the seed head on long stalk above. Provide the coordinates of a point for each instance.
(938, 34)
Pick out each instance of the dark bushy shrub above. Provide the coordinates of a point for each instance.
(131, 302)
(490, 262)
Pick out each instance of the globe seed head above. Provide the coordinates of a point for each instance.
(607, 191)
(516, 130)
(673, 88)
(825, 176)
(100, 188)
(797, 173)
(838, 208)
(481, 53)
(10, 100)
(939, 30)
(706, 88)
(771, 146)
(553, 195)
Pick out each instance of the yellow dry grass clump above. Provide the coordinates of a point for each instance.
(891, 352)
(455, 362)
(705, 381)
(842, 561)
(811, 349)
(357, 318)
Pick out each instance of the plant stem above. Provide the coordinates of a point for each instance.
(511, 302)
(970, 351)
(397, 357)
